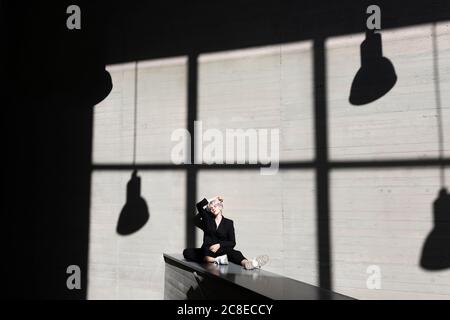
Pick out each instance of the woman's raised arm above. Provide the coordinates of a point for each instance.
(201, 205)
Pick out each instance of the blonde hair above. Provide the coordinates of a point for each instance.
(216, 203)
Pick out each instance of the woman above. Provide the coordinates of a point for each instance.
(218, 238)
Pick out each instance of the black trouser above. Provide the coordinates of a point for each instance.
(198, 254)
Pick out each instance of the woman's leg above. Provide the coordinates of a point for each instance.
(209, 259)
(207, 255)
(193, 254)
(245, 263)
(236, 256)
(197, 255)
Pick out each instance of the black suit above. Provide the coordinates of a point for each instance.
(212, 234)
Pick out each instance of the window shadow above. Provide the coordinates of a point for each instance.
(55, 76)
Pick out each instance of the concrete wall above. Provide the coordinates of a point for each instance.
(265, 88)
(131, 267)
(379, 216)
(382, 216)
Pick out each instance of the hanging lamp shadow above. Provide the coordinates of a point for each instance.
(84, 87)
(98, 93)
(376, 76)
(135, 213)
(436, 249)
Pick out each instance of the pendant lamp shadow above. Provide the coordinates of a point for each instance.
(84, 88)
(134, 214)
(436, 249)
(376, 76)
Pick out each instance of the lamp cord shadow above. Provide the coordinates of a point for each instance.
(437, 91)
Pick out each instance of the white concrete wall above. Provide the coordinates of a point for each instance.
(161, 108)
(265, 88)
(382, 217)
(132, 267)
(403, 124)
(273, 215)
(268, 87)
(378, 216)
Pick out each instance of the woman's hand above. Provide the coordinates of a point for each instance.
(219, 198)
(215, 247)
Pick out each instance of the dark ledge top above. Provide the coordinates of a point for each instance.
(267, 284)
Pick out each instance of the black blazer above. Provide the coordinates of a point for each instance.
(223, 234)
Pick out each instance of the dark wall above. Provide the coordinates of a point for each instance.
(54, 77)
(167, 28)
(52, 84)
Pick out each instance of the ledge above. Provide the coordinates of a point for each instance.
(234, 282)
